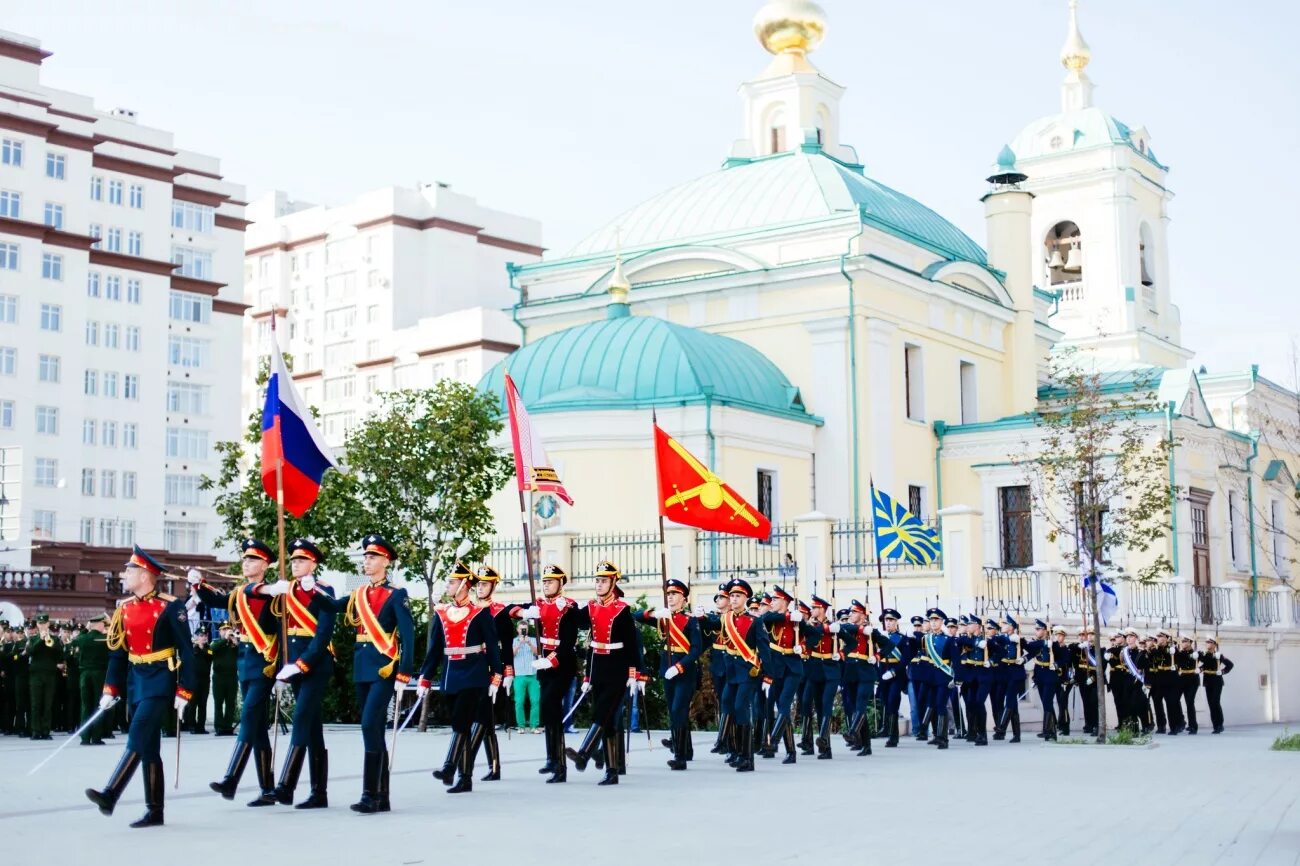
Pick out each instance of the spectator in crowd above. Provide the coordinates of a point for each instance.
(527, 689)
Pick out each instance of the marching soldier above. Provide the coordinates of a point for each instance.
(8, 659)
(225, 680)
(860, 671)
(1116, 676)
(683, 645)
(383, 658)
(44, 656)
(22, 680)
(896, 650)
(1049, 660)
(784, 669)
(938, 653)
(1214, 667)
(741, 635)
(1170, 692)
(916, 686)
(196, 713)
(70, 682)
(464, 635)
(309, 657)
(485, 728)
(613, 670)
(557, 621)
(149, 659)
(1065, 681)
(92, 650)
(251, 605)
(823, 672)
(1087, 667)
(719, 664)
(1189, 679)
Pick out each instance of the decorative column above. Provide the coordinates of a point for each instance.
(963, 553)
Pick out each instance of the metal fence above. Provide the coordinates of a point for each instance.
(853, 549)
(506, 555)
(1213, 604)
(635, 553)
(1152, 601)
(1262, 607)
(722, 557)
(19, 581)
(1017, 590)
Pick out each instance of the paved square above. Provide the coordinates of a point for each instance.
(1190, 800)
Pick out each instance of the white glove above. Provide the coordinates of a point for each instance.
(280, 587)
(640, 686)
(670, 673)
(420, 691)
(586, 687)
(179, 704)
(492, 691)
(798, 650)
(834, 628)
(631, 684)
(981, 643)
(308, 583)
(508, 683)
(193, 578)
(1014, 638)
(106, 701)
(1021, 660)
(796, 616)
(192, 602)
(767, 687)
(662, 613)
(560, 603)
(530, 612)
(288, 671)
(543, 664)
(889, 675)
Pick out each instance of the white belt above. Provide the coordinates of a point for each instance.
(606, 646)
(464, 650)
(550, 641)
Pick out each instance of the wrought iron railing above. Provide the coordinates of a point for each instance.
(635, 553)
(722, 557)
(1152, 601)
(507, 556)
(1262, 607)
(853, 549)
(1212, 604)
(1016, 590)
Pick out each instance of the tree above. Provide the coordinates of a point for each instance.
(1098, 472)
(425, 467)
(335, 523)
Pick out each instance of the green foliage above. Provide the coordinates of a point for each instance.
(1127, 737)
(425, 467)
(1287, 742)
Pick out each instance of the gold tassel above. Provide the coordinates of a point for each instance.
(269, 670)
(116, 637)
(387, 670)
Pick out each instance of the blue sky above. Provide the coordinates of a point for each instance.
(569, 111)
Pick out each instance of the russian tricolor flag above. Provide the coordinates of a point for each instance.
(290, 440)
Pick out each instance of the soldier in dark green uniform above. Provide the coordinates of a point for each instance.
(225, 681)
(71, 717)
(44, 655)
(196, 713)
(6, 679)
(22, 682)
(91, 648)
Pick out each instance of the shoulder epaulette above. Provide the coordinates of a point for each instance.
(167, 598)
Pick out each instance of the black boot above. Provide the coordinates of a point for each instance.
(382, 803)
(583, 754)
(789, 744)
(688, 742)
(1015, 724)
(892, 742)
(153, 796)
(265, 778)
(107, 798)
(850, 733)
(620, 754)
(560, 770)
(806, 736)
(611, 760)
(369, 801)
(493, 749)
(1049, 727)
(549, 736)
(778, 734)
(862, 735)
(746, 762)
(465, 783)
(289, 775)
(941, 731)
(724, 726)
(477, 733)
(447, 775)
(238, 760)
(824, 739)
(318, 767)
(678, 760)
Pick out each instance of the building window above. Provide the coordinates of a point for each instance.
(51, 317)
(43, 524)
(137, 195)
(339, 322)
(96, 231)
(182, 536)
(7, 414)
(54, 215)
(87, 530)
(89, 431)
(133, 291)
(341, 286)
(916, 501)
(47, 472)
(11, 204)
(88, 482)
(131, 387)
(462, 368)
(115, 192)
(913, 383)
(1234, 528)
(92, 333)
(185, 398)
(128, 485)
(111, 332)
(341, 388)
(52, 266)
(113, 240)
(1016, 514)
(96, 188)
(8, 309)
(194, 218)
(47, 420)
(108, 483)
(181, 490)
(339, 355)
(11, 153)
(91, 383)
(133, 338)
(50, 369)
(113, 288)
(193, 263)
(969, 406)
(372, 383)
(777, 139)
(110, 385)
(186, 307)
(8, 360)
(134, 244)
(128, 532)
(1092, 526)
(766, 483)
(92, 284)
(107, 532)
(189, 352)
(8, 257)
(372, 313)
(186, 443)
(56, 166)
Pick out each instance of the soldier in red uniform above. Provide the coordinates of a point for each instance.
(613, 670)
(465, 636)
(557, 620)
(485, 728)
(149, 645)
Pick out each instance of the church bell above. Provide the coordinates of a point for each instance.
(1074, 260)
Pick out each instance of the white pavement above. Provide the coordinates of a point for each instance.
(1190, 800)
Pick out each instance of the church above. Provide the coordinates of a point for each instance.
(807, 331)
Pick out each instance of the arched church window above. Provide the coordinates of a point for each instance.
(1147, 266)
(778, 139)
(1063, 255)
(819, 136)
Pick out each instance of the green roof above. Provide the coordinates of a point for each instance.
(636, 362)
(1077, 130)
(774, 191)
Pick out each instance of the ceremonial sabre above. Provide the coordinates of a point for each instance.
(397, 714)
(94, 717)
(573, 709)
(176, 782)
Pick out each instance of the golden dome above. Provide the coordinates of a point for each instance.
(1075, 54)
(790, 26)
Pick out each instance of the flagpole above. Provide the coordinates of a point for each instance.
(880, 570)
(279, 529)
(663, 549)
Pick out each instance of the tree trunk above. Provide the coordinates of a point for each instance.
(1096, 648)
(428, 612)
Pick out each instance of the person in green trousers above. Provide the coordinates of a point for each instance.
(225, 681)
(91, 649)
(526, 685)
(44, 655)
